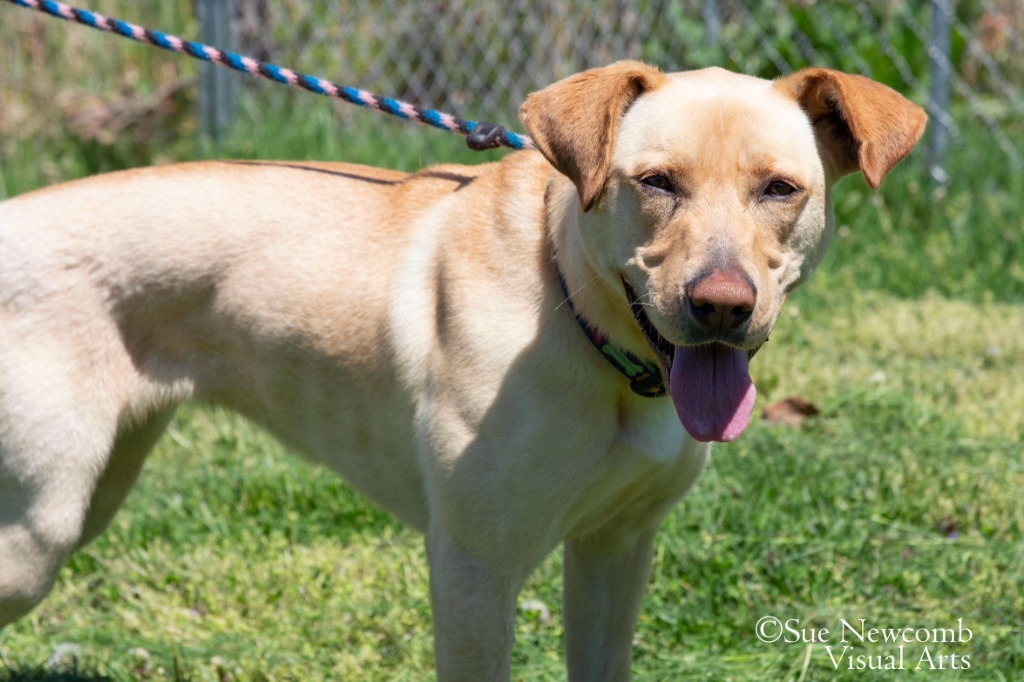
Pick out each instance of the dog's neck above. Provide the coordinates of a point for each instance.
(598, 302)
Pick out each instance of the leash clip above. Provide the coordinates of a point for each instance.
(485, 135)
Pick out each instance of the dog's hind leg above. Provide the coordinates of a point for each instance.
(131, 446)
(48, 473)
(66, 464)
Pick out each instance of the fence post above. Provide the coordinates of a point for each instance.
(216, 85)
(939, 59)
(712, 23)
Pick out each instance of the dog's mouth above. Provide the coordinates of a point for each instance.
(709, 384)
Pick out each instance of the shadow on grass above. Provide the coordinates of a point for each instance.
(44, 675)
(72, 673)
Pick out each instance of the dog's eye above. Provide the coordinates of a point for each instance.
(659, 182)
(779, 188)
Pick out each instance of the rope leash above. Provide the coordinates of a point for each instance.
(479, 135)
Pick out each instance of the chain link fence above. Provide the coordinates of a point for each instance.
(963, 60)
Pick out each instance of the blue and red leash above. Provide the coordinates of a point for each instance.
(479, 134)
(645, 378)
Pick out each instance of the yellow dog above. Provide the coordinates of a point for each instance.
(453, 342)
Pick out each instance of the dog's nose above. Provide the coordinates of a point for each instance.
(722, 300)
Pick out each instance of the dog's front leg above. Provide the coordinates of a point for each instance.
(474, 613)
(604, 587)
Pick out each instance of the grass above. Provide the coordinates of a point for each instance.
(899, 504)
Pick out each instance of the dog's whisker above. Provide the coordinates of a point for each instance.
(574, 293)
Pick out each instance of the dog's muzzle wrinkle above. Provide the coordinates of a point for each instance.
(657, 342)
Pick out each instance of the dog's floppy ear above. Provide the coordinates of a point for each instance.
(861, 124)
(573, 121)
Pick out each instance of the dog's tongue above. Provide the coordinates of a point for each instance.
(712, 391)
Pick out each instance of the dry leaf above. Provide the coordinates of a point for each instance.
(791, 411)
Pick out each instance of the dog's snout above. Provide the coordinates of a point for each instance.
(722, 300)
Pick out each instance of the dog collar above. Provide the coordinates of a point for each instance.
(644, 378)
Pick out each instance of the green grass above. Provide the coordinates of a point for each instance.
(900, 504)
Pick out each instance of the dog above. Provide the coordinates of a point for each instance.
(507, 356)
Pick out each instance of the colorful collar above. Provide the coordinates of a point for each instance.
(644, 378)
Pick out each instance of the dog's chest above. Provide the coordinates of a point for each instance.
(649, 464)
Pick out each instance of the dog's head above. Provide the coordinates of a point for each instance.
(699, 200)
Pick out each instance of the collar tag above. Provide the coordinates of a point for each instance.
(649, 384)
